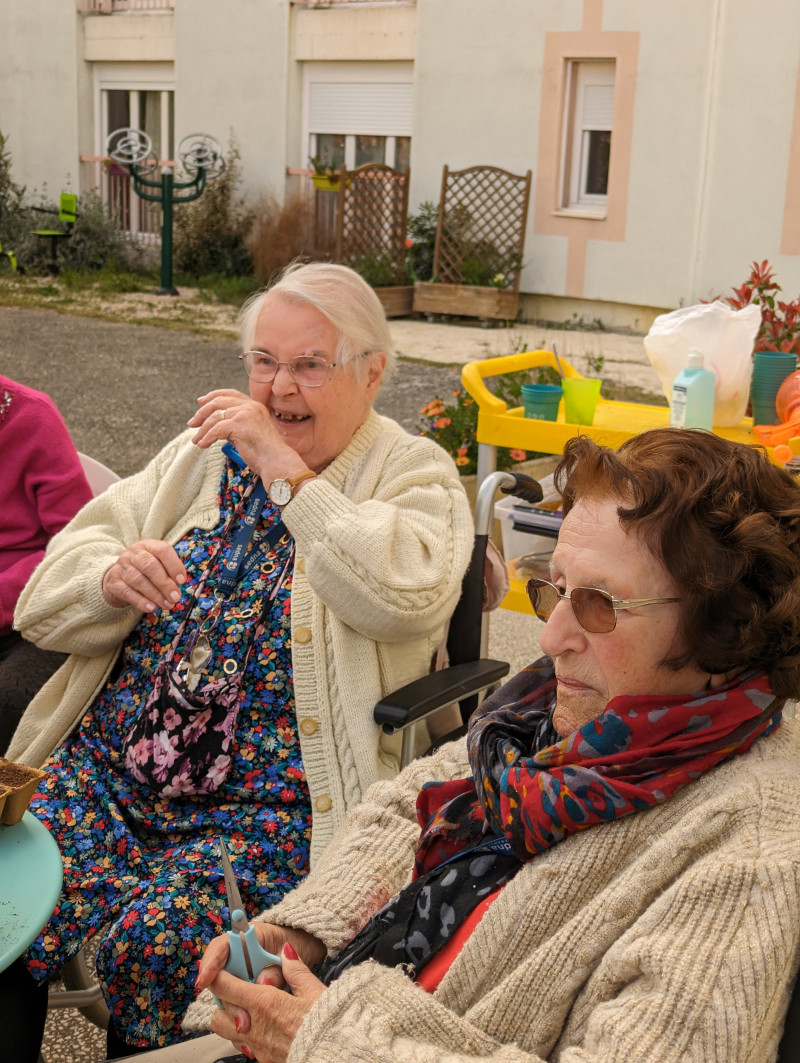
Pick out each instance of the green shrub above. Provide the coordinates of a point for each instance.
(422, 233)
(377, 268)
(210, 233)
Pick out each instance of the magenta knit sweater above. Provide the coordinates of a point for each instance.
(42, 486)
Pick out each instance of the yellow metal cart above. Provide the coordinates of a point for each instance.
(614, 422)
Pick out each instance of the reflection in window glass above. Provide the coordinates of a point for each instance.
(599, 152)
(151, 119)
(402, 153)
(330, 149)
(370, 149)
(118, 109)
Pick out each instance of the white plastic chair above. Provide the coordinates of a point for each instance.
(99, 475)
(82, 990)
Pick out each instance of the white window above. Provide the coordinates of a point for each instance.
(587, 134)
(359, 114)
(139, 96)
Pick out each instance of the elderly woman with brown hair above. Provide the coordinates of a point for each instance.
(608, 865)
(232, 614)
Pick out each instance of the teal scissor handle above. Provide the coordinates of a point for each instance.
(238, 942)
(259, 957)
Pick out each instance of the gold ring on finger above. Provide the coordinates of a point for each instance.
(222, 414)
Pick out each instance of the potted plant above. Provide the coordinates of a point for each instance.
(381, 271)
(780, 321)
(478, 246)
(324, 174)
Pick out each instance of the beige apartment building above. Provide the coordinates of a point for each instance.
(664, 139)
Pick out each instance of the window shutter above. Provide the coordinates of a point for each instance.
(377, 108)
(598, 107)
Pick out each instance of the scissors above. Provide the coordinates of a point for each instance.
(247, 958)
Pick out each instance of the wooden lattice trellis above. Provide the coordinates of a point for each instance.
(480, 238)
(371, 230)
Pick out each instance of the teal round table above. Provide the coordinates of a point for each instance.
(30, 882)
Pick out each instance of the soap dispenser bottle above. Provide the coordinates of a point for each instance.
(692, 404)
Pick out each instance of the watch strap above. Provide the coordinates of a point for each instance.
(300, 477)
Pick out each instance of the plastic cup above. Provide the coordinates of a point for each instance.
(541, 401)
(580, 399)
(764, 411)
(770, 369)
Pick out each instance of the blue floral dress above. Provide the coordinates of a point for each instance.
(149, 865)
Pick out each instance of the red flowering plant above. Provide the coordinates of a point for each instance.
(453, 425)
(780, 322)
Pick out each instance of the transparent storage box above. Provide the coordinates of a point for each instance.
(529, 532)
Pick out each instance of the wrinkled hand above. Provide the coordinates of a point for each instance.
(261, 1019)
(147, 575)
(272, 938)
(249, 426)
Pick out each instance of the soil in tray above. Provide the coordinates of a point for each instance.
(17, 783)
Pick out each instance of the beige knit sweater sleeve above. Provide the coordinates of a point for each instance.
(62, 606)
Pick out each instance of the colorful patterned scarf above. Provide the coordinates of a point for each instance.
(531, 789)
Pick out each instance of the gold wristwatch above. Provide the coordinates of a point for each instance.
(281, 492)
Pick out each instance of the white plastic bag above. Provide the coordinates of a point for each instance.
(724, 337)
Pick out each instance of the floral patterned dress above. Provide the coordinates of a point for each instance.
(147, 867)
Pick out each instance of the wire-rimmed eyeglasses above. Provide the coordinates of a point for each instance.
(308, 370)
(595, 610)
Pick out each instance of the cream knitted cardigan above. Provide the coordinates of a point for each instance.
(669, 935)
(382, 541)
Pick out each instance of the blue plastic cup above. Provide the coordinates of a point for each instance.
(541, 401)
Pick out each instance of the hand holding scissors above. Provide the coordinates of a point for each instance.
(247, 958)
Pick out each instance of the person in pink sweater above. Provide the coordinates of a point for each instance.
(42, 487)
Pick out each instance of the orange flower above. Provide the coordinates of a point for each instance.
(442, 422)
(462, 460)
(517, 455)
(462, 451)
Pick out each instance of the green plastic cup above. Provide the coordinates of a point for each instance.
(580, 399)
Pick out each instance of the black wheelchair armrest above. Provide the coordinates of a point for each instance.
(418, 699)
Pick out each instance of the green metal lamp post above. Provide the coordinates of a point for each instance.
(201, 156)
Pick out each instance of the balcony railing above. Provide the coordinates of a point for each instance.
(111, 7)
(137, 218)
(341, 3)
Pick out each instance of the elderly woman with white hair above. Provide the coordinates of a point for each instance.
(232, 615)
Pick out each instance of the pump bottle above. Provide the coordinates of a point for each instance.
(692, 404)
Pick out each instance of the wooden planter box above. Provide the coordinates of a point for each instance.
(465, 300)
(397, 299)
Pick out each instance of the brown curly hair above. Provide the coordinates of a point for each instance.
(725, 522)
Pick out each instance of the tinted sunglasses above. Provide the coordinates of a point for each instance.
(595, 611)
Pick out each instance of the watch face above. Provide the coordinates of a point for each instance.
(280, 492)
